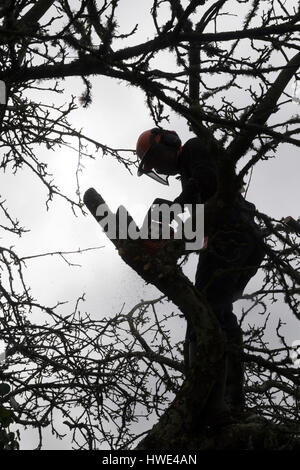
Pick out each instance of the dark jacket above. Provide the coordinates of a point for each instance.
(198, 176)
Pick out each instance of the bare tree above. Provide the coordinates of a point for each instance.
(104, 377)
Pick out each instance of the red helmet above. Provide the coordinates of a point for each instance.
(147, 141)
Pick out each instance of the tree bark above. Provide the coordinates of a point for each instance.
(183, 416)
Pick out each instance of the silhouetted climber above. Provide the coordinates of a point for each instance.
(230, 259)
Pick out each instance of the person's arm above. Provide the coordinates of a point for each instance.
(199, 187)
(202, 183)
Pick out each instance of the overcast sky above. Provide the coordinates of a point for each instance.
(116, 117)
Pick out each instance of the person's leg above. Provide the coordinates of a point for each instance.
(226, 267)
(216, 411)
(216, 279)
(189, 351)
(234, 393)
(222, 264)
(217, 275)
(252, 264)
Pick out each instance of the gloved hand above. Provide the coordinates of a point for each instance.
(152, 245)
(156, 229)
(205, 242)
(292, 224)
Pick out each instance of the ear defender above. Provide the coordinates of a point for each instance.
(147, 142)
(169, 138)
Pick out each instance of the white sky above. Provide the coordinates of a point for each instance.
(116, 117)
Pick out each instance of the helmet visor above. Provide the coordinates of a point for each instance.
(163, 179)
(143, 170)
(146, 169)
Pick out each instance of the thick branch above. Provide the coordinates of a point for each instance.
(162, 271)
(36, 12)
(265, 108)
(172, 39)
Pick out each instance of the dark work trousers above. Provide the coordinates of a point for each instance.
(224, 269)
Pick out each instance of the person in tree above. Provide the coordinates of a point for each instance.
(230, 259)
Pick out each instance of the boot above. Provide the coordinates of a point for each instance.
(189, 348)
(217, 412)
(234, 393)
